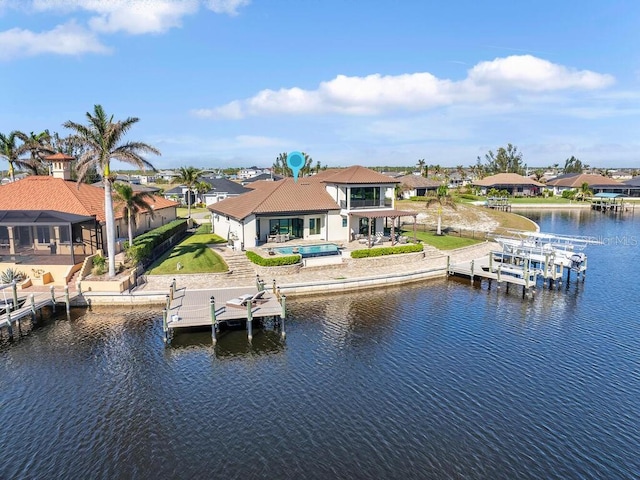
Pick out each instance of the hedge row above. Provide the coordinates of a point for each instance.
(378, 252)
(145, 244)
(277, 261)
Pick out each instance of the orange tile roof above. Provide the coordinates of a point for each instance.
(506, 179)
(48, 193)
(283, 196)
(354, 175)
(575, 181)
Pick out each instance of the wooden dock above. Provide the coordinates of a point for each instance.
(216, 308)
(15, 307)
(511, 269)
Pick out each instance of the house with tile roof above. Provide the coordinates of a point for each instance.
(597, 183)
(53, 220)
(333, 205)
(416, 186)
(516, 185)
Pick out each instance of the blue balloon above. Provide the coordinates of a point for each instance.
(295, 161)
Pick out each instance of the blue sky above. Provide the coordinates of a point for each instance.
(234, 82)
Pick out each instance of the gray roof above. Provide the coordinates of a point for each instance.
(225, 185)
(40, 217)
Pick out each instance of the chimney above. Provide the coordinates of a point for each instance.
(60, 165)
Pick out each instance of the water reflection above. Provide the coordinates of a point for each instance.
(231, 343)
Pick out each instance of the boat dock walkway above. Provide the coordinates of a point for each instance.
(14, 307)
(221, 308)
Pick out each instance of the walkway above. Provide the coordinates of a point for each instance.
(243, 273)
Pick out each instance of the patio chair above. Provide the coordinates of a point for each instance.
(243, 300)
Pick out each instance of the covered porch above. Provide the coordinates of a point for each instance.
(374, 235)
(44, 238)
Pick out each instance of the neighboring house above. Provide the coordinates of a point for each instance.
(167, 175)
(516, 185)
(251, 172)
(144, 179)
(334, 205)
(633, 186)
(416, 186)
(597, 183)
(179, 194)
(262, 176)
(221, 188)
(52, 220)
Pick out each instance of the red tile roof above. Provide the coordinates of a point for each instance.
(575, 181)
(506, 179)
(353, 175)
(48, 193)
(283, 196)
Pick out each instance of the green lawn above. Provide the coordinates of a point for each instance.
(182, 212)
(443, 242)
(193, 254)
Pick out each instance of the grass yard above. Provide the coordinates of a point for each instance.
(442, 242)
(182, 212)
(541, 200)
(193, 254)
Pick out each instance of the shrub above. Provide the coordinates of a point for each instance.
(10, 275)
(144, 245)
(99, 265)
(378, 252)
(570, 194)
(273, 261)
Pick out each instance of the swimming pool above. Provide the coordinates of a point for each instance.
(308, 251)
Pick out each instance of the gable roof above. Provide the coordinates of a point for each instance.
(48, 193)
(283, 196)
(506, 179)
(262, 176)
(355, 175)
(418, 181)
(225, 185)
(577, 179)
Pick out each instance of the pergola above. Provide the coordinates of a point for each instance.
(32, 219)
(392, 214)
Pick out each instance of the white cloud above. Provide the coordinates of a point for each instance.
(527, 72)
(67, 39)
(230, 7)
(375, 94)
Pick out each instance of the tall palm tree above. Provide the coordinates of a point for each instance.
(11, 151)
(202, 188)
(188, 176)
(102, 139)
(132, 203)
(421, 164)
(442, 198)
(584, 192)
(37, 145)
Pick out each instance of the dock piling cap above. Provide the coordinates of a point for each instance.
(175, 318)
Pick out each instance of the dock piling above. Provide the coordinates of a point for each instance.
(53, 298)
(165, 328)
(249, 322)
(283, 315)
(32, 300)
(66, 298)
(14, 287)
(214, 323)
(9, 326)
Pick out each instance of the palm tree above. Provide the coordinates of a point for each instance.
(132, 203)
(443, 199)
(584, 191)
(11, 151)
(202, 188)
(101, 141)
(421, 164)
(37, 145)
(188, 176)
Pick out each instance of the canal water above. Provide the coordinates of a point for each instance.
(439, 380)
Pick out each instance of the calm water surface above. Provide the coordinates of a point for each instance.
(439, 380)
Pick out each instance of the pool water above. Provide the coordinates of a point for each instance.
(308, 251)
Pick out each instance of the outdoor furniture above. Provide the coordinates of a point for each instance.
(245, 299)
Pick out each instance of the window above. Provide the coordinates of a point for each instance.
(44, 235)
(344, 222)
(314, 226)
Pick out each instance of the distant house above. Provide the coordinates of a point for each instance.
(251, 172)
(221, 189)
(597, 183)
(53, 223)
(334, 205)
(416, 186)
(516, 185)
(633, 186)
(262, 176)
